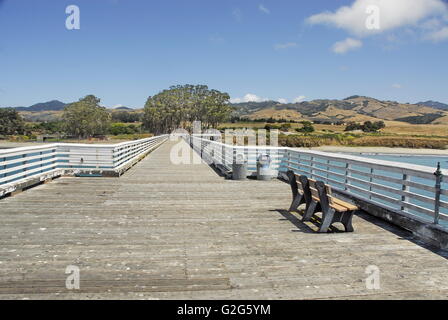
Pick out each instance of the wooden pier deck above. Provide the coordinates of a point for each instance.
(165, 231)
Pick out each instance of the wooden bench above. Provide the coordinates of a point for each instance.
(301, 194)
(318, 197)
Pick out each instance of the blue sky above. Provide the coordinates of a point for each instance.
(128, 50)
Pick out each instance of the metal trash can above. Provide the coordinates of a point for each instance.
(264, 171)
(239, 167)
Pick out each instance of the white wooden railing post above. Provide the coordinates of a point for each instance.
(405, 188)
(348, 166)
(223, 155)
(438, 192)
(24, 163)
(312, 168)
(41, 159)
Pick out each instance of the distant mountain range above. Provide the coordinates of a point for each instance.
(435, 105)
(354, 108)
(52, 111)
(53, 105)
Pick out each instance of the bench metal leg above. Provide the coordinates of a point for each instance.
(347, 221)
(327, 220)
(310, 210)
(296, 202)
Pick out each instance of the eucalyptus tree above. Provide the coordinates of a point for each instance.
(11, 122)
(179, 106)
(86, 118)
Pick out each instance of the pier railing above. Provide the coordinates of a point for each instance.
(224, 155)
(394, 185)
(20, 167)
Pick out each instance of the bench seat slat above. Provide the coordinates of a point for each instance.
(335, 203)
(338, 207)
(342, 203)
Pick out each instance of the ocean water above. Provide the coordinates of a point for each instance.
(422, 160)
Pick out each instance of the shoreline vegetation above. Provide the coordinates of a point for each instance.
(402, 139)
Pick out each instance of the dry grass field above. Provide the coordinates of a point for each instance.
(396, 127)
(392, 127)
(395, 135)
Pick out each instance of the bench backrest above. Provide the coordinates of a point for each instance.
(309, 187)
(327, 200)
(318, 190)
(293, 183)
(313, 189)
(326, 193)
(305, 188)
(329, 193)
(322, 190)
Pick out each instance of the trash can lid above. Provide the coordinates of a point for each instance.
(240, 157)
(264, 159)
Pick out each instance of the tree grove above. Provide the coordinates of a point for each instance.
(179, 106)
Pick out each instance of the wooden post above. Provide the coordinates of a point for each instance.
(370, 185)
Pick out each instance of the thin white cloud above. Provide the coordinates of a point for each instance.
(346, 45)
(397, 86)
(237, 14)
(216, 39)
(299, 99)
(282, 46)
(250, 97)
(432, 24)
(439, 35)
(263, 9)
(392, 13)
